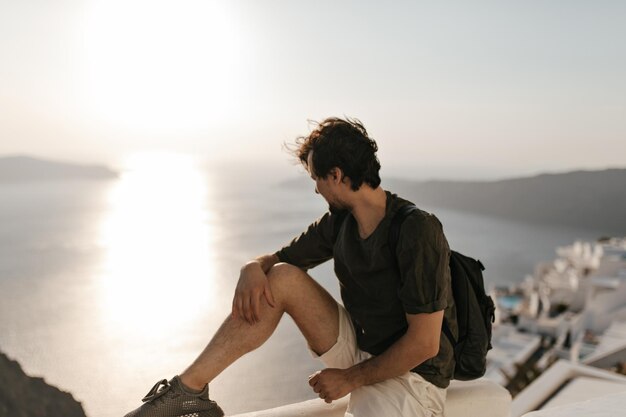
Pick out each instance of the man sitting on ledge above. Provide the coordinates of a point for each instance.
(384, 345)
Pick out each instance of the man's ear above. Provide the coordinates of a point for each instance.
(336, 174)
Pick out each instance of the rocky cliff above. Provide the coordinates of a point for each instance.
(25, 396)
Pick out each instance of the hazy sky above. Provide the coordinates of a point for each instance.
(464, 89)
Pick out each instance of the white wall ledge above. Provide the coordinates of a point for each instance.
(613, 405)
(480, 398)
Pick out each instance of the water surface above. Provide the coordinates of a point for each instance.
(109, 286)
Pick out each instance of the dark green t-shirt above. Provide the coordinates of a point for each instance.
(371, 290)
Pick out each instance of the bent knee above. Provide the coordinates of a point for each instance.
(283, 270)
(283, 274)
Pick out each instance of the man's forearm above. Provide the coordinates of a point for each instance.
(419, 343)
(405, 354)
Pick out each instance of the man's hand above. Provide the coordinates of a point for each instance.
(252, 285)
(331, 384)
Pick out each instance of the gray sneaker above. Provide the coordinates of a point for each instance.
(171, 399)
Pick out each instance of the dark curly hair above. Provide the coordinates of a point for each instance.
(343, 144)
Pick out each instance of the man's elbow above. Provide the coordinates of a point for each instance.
(431, 350)
(424, 352)
(429, 347)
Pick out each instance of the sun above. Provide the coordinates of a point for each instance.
(154, 64)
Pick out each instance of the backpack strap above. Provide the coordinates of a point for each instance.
(339, 217)
(394, 229)
(394, 235)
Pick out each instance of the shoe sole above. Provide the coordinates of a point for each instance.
(212, 413)
(201, 414)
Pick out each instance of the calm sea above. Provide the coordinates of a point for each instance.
(108, 286)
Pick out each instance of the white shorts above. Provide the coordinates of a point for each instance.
(406, 395)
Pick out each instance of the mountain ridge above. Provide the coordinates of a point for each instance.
(580, 198)
(21, 168)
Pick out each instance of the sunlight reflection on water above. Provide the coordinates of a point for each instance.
(158, 239)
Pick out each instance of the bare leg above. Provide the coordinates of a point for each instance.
(296, 293)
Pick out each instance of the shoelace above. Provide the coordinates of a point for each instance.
(154, 393)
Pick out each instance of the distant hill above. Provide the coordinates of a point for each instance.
(26, 168)
(585, 199)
